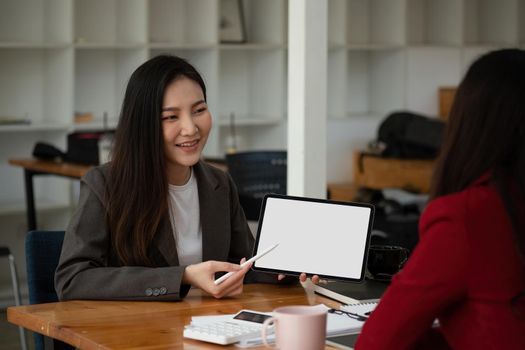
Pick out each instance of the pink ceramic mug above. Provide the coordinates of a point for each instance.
(298, 327)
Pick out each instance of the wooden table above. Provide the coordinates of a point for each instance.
(33, 167)
(148, 325)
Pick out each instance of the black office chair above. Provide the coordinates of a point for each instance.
(42, 254)
(5, 252)
(255, 174)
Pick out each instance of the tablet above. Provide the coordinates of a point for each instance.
(315, 236)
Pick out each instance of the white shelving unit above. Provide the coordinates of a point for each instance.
(387, 55)
(391, 54)
(59, 57)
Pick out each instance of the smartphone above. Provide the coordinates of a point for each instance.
(251, 316)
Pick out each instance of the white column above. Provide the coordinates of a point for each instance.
(307, 112)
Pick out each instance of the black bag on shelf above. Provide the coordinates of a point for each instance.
(47, 151)
(410, 135)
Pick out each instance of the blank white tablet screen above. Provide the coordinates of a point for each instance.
(314, 237)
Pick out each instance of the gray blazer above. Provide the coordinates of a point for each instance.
(89, 269)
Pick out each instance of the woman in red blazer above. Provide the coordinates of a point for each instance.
(468, 271)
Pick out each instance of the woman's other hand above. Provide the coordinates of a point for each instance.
(202, 276)
(302, 278)
(315, 279)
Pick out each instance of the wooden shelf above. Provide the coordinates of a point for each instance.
(375, 172)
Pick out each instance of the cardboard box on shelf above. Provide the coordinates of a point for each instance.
(446, 98)
(376, 172)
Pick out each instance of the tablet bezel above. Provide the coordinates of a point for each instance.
(310, 273)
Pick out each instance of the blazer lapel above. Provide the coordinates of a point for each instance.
(166, 244)
(214, 214)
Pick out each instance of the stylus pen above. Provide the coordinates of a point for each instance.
(249, 261)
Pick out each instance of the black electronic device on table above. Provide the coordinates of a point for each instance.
(343, 341)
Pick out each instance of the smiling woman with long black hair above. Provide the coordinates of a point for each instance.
(468, 271)
(157, 219)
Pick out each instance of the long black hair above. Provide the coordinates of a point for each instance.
(137, 185)
(486, 134)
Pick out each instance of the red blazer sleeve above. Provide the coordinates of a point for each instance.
(433, 279)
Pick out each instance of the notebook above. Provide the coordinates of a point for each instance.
(349, 293)
(362, 309)
(347, 341)
(367, 307)
(316, 236)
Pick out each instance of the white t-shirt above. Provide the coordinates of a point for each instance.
(185, 221)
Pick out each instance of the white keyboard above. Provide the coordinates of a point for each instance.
(244, 325)
(222, 332)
